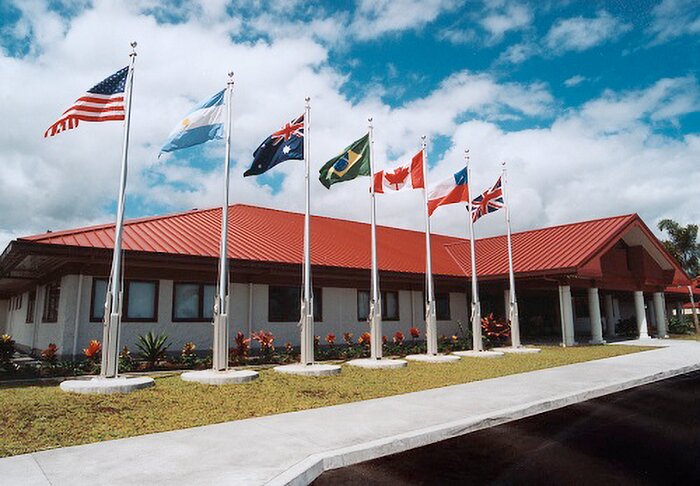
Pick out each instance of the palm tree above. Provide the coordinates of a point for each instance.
(683, 245)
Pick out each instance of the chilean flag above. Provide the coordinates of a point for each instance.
(404, 176)
(449, 191)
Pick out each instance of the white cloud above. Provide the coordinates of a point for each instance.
(574, 81)
(374, 18)
(580, 33)
(674, 18)
(501, 19)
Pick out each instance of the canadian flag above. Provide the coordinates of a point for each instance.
(408, 176)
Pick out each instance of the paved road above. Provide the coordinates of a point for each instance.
(647, 435)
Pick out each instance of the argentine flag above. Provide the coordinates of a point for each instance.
(205, 122)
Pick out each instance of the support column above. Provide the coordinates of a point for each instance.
(594, 313)
(640, 314)
(660, 314)
(609, 316)
(567, 316)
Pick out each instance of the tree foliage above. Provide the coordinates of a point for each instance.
(683, 244)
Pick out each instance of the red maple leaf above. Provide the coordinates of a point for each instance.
(397, 177)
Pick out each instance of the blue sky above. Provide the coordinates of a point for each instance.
(563, 90)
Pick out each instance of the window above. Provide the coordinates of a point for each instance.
(442, 306)
(97, 303)
(193, 302)
(30, 307)
(140, 300)
(580, 306)
(283, 304)
(51, 298)
(390, 305)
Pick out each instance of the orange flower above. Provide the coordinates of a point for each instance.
(330, 339)
(414, 332)
(93, 349)
(365, 339)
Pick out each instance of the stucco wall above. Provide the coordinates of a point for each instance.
(339, 316)
(3, 315)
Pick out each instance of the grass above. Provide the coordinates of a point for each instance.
(687, 337)
(44, 417)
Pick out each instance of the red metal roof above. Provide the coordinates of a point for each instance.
(270, 235)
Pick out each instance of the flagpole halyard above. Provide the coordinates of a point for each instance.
(430, 317)
(307, 314)
(113, 299)
(376, 303)
(477, 344)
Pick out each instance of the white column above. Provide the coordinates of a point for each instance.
(660, 314)
(609, 316)
(640, 314)
(594, 313)
(567, 315)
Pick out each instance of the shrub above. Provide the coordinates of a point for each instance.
(49, 356)
(7, 351)
(289, 355)
(496, 331)
(239, 354)
(414, 332)
(627, 327)
(126, 361)
(682, 325)
(398, 338)
(188, 355)
(93, 351)
(347, 337)
(364, 339)
(153, 348)
(266, 347)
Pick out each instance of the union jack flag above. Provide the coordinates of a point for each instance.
(295, 128)
(102, 102)
(488, 202)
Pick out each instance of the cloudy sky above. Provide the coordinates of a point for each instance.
(593, 104)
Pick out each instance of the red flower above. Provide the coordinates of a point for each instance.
(384, 339)
(398, 338)
(93, 349)
(330, 339)
(265, 339)
(365, 339)
(414, 332)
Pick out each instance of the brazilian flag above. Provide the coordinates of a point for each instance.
(352, 162)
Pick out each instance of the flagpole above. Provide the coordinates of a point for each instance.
(307, 314)
(221, 307)
(476, 305)
(512, 300)
(375, 307)
(113, 298)
(430, 318)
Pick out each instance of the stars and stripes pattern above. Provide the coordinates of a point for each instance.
(102, 102)
(488, 202)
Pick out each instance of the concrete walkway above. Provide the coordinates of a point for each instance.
(296, 447)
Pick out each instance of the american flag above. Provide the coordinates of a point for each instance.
(488, 202)
(102, 102)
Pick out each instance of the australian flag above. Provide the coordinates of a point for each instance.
(285, 144)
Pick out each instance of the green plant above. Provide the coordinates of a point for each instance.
(49, 356)
(267, 349)
(680, 325)
(627, 327)
(7, 351)
(126, 361)
(188, 355)
(153, 347)
(495, 331)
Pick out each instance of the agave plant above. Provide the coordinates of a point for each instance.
(153, 347)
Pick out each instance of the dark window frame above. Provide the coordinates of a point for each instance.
(31, 303)
(200, 303)
(52, 289)
(383, 297)
(317, 301)
(93, 318)
(125, 304)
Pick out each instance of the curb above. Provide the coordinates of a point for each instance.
(304, 472)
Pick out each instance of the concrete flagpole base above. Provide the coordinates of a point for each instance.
(315, 369)
(107, 386)
(519, 350)
(213, 377)
(377, 364)
(432, 358)
(479, 354)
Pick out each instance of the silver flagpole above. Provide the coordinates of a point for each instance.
(513, 301)
(113, 299)
(307, 313)
(693, 310)
(221, 307)
(430, 318)
(375, 307)
(477, 344)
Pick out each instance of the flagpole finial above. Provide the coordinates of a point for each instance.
(307, 100)
(466, 155)
(133, 45)
(230, 78)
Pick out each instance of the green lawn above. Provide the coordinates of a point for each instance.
(44, 417)
(687, 337)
